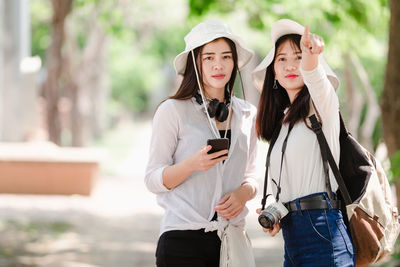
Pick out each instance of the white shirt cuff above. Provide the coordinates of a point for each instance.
(314, 75)
(158, 185)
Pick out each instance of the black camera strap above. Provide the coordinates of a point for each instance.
(283, 153)
(271, 145)
(275, 135)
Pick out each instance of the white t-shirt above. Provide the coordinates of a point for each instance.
(180, 129)
(302, 170)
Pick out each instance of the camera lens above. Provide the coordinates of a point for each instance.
(266, 220)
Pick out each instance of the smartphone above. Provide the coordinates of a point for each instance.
(218, 145)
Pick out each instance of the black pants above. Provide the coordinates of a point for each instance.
(193, 248)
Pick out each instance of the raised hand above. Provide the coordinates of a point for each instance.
(311, 43)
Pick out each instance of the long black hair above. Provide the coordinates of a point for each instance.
(274, 101)
(189, 85)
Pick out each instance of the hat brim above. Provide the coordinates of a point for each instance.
(280, 28)
(244, 54)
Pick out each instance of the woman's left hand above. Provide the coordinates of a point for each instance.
(232, 204)
(272, 231)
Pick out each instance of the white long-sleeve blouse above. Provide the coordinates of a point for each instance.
(302, 171)
(180, 129)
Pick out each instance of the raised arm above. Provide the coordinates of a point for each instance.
(315, 76)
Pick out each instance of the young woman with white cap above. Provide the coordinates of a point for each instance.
(293, 74)
(200, 192)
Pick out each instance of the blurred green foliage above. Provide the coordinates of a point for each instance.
(145, 36)
(139, 46)
(128, 71)
(357, 27)
(395, 166)
(41, 12)
(396, 254)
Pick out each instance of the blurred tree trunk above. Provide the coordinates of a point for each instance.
(89, 76)
(54, 60)
(87, 82)
(98, 92)
(391, 93)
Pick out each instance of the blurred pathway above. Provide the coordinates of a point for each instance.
(117, 226)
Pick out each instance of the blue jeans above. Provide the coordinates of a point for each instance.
(316, 238)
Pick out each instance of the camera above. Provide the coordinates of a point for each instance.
(272, 214)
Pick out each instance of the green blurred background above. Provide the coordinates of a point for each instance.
(90, 73)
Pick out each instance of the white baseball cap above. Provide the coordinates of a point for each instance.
(206, 32)
(280, 28)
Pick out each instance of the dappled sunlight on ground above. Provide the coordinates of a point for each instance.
(118, 225)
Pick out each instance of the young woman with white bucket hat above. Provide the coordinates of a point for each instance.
(202, 193)
(294, 78)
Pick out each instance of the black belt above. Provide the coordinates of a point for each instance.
(312, 203)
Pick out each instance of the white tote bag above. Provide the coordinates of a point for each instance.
(236, 250)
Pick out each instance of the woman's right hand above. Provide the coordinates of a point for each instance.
(176, 174)
(273, 231)
(202, 161)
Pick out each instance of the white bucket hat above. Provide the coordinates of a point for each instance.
(280, 28)
(206, 32)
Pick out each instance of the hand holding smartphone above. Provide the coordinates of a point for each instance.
(218, 144)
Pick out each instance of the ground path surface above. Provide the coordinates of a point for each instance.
(117, 226)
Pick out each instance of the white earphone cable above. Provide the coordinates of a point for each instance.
(204, 102)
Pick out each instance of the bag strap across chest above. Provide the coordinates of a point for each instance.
(327, 156)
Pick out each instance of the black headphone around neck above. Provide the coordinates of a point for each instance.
(219, 110)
